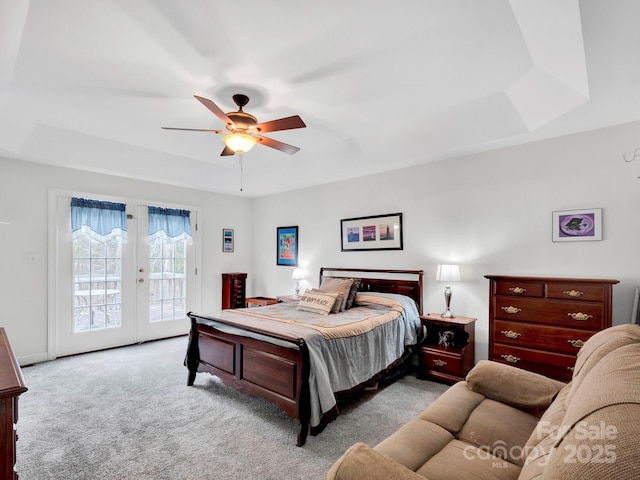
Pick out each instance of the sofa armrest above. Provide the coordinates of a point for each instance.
(513, 386)
(361, 462)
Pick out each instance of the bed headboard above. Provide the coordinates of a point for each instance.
(405, 282)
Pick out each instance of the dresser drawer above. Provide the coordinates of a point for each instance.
(581, 315)
(520, 289)
(553, 339)
(441, 360)
(574, 291)
(553, 365)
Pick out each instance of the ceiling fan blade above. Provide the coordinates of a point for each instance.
(287, 123)
(215, 109)
(194, 129)
(227, 152)
(283, 147)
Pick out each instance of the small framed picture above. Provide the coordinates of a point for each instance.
(577, 225)
(287, 246)
(378, 232)
(227, 239)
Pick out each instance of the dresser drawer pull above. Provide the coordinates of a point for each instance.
(511, 358)
(511, 309)
(576, 343)
(570, 369)
(517, 290)
(573, 293)
(439, 363)
(580, 316)
(510, 333)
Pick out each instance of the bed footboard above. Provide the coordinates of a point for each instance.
(277, 372)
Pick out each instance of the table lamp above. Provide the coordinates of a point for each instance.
(448, 273)
(297, 275)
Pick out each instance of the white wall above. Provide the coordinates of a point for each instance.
(489, 212)
(24, 190)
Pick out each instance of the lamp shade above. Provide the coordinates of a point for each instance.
(448, 273)
(239, 142)
(297, 274)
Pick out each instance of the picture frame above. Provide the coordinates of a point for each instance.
(227, 240)
(376, 232)
(577, 225)
(287, 242)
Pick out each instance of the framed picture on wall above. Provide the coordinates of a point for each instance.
(377, 232)
(227, 240)
(577, 225)
(287, 246)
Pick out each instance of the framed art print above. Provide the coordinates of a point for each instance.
(377, 232)
(577, 225)
(227, 240)
(287, 246)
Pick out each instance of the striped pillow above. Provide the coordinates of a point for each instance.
(317, 302)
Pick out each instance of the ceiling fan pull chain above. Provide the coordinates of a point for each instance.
(240, 155)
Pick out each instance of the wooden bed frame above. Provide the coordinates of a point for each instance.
(276, 367)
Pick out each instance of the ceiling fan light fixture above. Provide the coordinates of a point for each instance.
(239, 142)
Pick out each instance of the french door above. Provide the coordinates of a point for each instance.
(108, 292)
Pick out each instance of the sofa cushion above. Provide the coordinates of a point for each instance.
(519, 388)
(361, 462)
(415, 443)
(452, 409)
(597, 347)
(500, 429)
(461, 461)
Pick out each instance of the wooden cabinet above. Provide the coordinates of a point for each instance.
(448, 351)
(233, 290)
(540, 323)
(11, 387)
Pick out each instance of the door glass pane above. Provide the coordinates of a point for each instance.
(96, 283)
(167, 279)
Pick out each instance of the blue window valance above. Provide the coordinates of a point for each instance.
(170, 223)
(101, 220)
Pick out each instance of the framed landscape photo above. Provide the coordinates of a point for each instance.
(227, 240)
(377, 232)
(287, 246)
(577, 225)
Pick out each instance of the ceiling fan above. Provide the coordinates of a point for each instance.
(244, 131)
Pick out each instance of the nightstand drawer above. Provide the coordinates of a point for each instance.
(441, 361)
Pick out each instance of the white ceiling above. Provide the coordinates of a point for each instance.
(381, 85)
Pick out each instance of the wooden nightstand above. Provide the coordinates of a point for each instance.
(259, 301)
(447, 363)
(288, 298)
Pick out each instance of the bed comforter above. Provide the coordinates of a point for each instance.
(345, 349)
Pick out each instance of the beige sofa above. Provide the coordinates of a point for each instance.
(508, 423)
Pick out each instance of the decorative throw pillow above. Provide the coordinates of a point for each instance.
(343, 285)
(337, 304)
(317, 302)
(355, 286)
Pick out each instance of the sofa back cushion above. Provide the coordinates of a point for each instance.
(600, 431)
(596, 348)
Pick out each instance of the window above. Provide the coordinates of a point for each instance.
(98, 231)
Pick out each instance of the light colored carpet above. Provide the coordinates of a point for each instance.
(127, 413)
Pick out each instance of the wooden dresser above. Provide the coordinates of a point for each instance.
(11, 387)
(234, 290)
(540, 323)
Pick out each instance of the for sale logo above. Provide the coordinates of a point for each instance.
(598, 446)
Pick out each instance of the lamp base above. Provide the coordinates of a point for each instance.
(448, 314)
